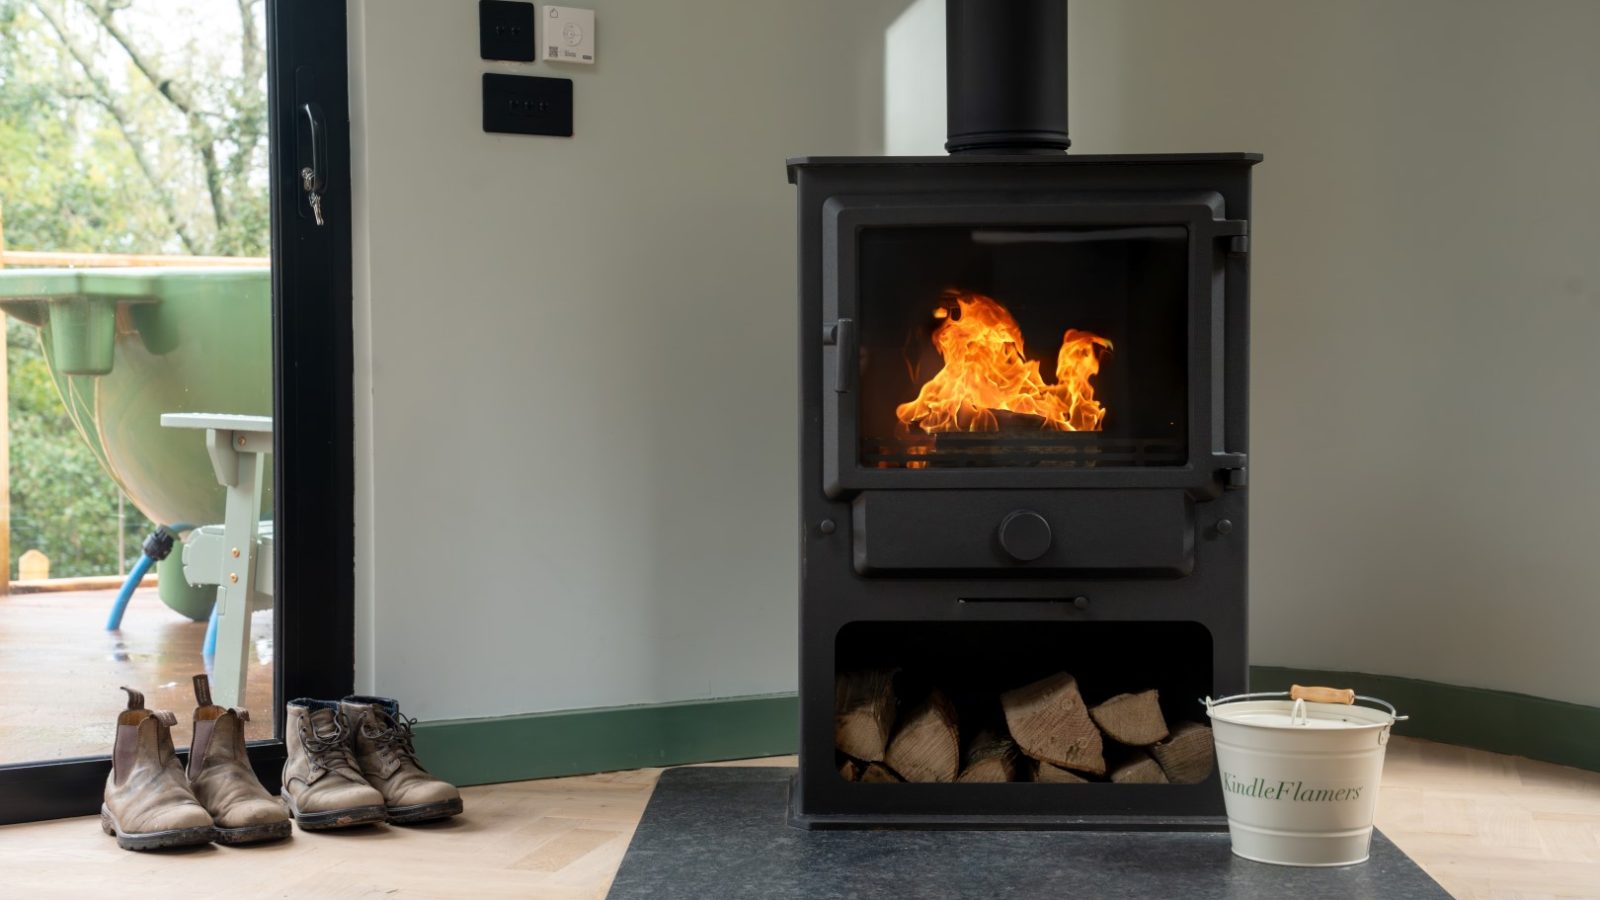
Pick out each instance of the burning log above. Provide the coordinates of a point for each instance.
(863, 713)
(1049, 721)
(992, 757)
(985, 371)
(850, 770)
(927, 745)
(1187, 755)
(1132, 719)
(1140, 768)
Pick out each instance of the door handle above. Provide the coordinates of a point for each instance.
(842, 334)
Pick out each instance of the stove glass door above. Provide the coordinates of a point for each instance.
(1034, 346)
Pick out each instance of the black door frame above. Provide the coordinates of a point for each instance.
(313, 395)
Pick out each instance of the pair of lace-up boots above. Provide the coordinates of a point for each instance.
(350, 762)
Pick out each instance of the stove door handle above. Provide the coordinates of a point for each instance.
(846, 360)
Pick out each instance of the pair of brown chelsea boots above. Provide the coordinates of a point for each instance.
(350, 762)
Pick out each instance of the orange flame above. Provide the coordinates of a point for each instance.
(986, 370)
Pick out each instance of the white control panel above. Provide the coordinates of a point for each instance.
(568, 35)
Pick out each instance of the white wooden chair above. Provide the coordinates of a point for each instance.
(237, 555)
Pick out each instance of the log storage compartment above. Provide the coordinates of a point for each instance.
(1023, 463)
(1081, 712)
(944, 703)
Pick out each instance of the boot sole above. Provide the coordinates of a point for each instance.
(155, 840)
(424, 812)
(251, 834)
(335, 818)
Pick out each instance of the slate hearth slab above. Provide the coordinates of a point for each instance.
(721, 834)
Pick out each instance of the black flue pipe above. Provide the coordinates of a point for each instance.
(1006, 74)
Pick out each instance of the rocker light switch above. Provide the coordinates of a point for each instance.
(568, 35)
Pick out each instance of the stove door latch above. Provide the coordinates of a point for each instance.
(842, 334)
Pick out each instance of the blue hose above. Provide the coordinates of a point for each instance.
(126, 594)
(156, 548)
(209, 648)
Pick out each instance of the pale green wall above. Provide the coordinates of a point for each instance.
(576, 378)
(1425, 481)
(577, 429)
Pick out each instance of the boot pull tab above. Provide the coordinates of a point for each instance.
(242, 714)
(165, 716)
(202, 690)
(135, 699)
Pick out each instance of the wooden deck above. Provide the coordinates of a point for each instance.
(1488, 827)
(60, 671)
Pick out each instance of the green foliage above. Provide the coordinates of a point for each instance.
(134, 126)
(126, 126)
(62, 503)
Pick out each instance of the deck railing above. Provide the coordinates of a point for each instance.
(57, 259)
(53, 259)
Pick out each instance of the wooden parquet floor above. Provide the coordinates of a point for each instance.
(1489, 827)
(1493, 827)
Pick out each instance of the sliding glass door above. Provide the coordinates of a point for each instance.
(175, 279)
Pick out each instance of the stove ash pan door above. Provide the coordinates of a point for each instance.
(1047, 342)
(943, 532)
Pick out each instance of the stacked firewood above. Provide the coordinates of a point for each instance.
(1044, 732)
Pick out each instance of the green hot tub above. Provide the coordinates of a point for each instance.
(126, 345)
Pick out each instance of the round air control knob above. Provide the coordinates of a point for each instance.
(1025, 535)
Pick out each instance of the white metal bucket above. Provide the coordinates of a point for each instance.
(1300, 779)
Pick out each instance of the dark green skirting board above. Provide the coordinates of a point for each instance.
(571, 742)
(1500, 721)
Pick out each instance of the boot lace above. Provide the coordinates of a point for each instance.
(330, 752)
(392, 734)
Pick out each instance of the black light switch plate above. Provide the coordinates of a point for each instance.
(505, 30)
(527, 104)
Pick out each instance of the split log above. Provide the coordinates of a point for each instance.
(1187, 755)
(878, 773)
(863, 713)
(1139, 769)
(1132, 719)
(927, 746)
(850, 770)
(1050, 722)
(993, 757)
(1049, 773)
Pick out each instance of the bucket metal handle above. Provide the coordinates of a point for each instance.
(1266, 695)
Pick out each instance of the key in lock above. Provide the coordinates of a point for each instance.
(308, 181)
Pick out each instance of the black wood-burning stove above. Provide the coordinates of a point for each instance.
(1024, 430)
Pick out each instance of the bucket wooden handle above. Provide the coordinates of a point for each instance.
(1322, 694)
